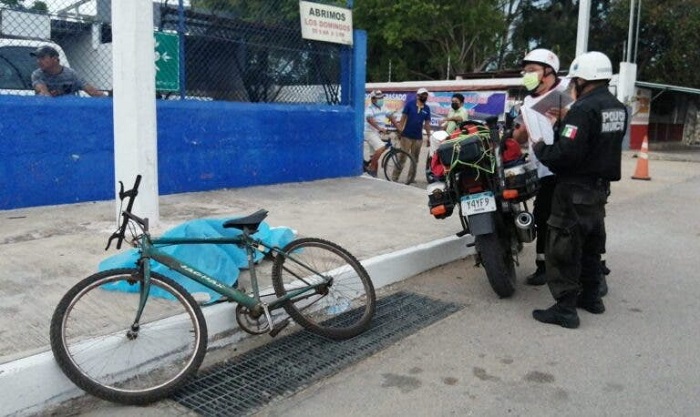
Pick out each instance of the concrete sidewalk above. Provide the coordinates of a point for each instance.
(46, 250)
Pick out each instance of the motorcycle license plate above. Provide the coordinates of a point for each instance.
(478, 203)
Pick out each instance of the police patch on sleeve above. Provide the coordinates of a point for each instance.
(569, 131)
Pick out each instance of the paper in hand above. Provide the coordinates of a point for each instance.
(553, 99)
(538, 126)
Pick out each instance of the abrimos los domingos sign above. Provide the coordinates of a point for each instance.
(325, 23)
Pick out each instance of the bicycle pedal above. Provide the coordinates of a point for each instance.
(279, 327)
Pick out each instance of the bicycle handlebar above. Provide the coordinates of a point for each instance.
(126, 214)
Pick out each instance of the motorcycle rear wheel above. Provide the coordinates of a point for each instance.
(498, 263)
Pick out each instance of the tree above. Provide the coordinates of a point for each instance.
(426, 40)
(37, 6)
(553, 25)
(668, 38)
(668, 35)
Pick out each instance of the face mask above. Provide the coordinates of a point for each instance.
(422, 99)
(455, 106)
(380, 103)
(531, 81)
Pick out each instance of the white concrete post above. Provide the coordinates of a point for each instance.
(135, 133)
(584, 17)
(626, 81)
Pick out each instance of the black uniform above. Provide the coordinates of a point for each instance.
(585, 156)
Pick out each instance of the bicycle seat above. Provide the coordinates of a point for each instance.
(250, 222)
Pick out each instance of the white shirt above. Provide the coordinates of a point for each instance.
(378, 114)
(529, 101)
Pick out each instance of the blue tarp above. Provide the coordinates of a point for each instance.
(222, 262)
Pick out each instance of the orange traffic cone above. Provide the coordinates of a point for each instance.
(642, 171)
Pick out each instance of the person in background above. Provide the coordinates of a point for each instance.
(455, 116)
(376, 116)
(450, 124)
(585, 157)
(414, 118)
(540, 67)
(53, 79)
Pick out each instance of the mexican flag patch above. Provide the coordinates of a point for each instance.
(569, 131)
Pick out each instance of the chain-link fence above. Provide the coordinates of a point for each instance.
(231, 50)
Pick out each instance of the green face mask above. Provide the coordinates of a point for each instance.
(531, 80)
(380, 103)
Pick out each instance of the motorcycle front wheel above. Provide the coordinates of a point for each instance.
(498, 262)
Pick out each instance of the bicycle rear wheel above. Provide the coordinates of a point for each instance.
(99, 348)
(342, 304)
(399, 166)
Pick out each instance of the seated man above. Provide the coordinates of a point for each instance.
(376, 117)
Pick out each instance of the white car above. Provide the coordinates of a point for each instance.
(17, 65)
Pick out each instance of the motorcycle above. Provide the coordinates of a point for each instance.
(490, 189)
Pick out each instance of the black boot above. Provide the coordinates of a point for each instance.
(590, 300)
(562, 313)
(603, 288)
(539, 277)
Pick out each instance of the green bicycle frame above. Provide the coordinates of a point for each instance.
(150, 250)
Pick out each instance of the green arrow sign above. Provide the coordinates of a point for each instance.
(167, 59)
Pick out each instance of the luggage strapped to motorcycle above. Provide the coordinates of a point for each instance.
(469, 150)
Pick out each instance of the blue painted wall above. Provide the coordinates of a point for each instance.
(60, 150)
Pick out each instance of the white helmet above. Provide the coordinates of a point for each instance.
(542, 56)
(591, 66)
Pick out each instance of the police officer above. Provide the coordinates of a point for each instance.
(585, 157)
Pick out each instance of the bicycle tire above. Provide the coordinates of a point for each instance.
(340, 310)
(92, 342)
(398, 159)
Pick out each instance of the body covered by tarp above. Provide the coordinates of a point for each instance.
(221, 261)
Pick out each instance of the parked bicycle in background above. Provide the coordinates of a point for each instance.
(395, 163)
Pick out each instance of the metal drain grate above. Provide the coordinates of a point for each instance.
(284, 366)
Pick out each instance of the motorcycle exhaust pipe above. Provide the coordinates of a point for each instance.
(525, 227)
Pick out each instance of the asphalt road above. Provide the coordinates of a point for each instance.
(492, 359)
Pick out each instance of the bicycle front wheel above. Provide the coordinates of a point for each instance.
(343, 301)
(399, 166)
(103, 350)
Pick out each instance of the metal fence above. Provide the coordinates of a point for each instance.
(230, 50)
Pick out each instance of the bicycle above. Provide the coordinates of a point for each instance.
(395, 159)
(138, 346)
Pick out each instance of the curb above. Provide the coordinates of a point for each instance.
(37, 383)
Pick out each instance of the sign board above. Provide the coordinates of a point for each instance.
(321, 22)
(167, 60)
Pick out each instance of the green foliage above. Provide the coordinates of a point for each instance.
(669, 36)
(266, 11)
(12, 4)
(38, 6)
(417, 37)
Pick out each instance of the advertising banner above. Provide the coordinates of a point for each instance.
(477, 103)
